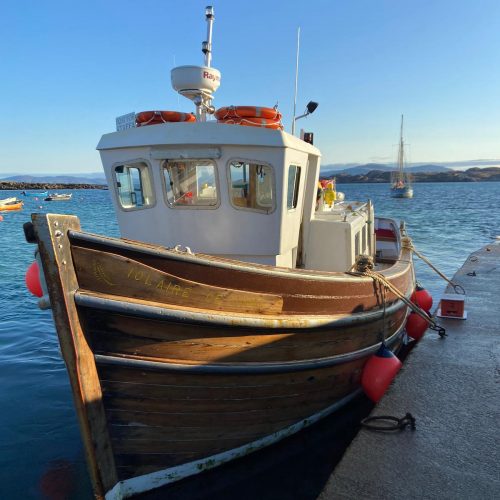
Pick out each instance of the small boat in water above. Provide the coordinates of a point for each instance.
(400, 180)
(35, 193)
(229, 316)
(59, 197)
(12, 199)
(11, 204)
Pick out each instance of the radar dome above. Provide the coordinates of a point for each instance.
(186, 79)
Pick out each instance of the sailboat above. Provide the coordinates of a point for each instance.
(400, 181)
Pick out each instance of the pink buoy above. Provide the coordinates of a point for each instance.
(1, 218)
(33, 279)
(379, 372)
(416, 326)
(422, 298)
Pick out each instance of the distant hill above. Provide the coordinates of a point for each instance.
(368, 167)
(92, 178)
(490, 174)
(428, 168)
(327, 171)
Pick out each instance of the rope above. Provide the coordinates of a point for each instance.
(364, 267)
(399, 423)
(407, 243)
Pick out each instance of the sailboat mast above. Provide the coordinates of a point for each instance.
(401, 153)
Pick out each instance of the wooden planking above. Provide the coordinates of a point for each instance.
(113, 274)
(187, 381)
(239, 426)
(244, 404)
(214, 405)
(118, 334)
(143, 416)
(178, 432)
(214, 392)
(301, 294)
(162, 451)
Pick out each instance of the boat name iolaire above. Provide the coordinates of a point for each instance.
(169, 287)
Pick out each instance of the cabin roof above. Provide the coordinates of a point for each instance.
(203, 133)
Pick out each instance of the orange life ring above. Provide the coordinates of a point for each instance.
(156, 117)
(254, 122)
(247, 112)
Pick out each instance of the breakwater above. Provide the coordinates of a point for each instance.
(46, 186)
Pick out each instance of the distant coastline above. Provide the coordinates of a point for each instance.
(46, 186)
(491, 174)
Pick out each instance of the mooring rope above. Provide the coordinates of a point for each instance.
(407, 243)
(364, 266)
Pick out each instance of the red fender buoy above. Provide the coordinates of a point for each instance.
(416, 326)
(422, 298)
(33, 279)
(379, 372)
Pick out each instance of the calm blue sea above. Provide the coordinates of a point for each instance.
(40, 448)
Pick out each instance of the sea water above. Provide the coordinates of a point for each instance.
(41, 453)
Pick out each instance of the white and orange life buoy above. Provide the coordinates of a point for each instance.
(253, 116)
(254, 122)
(157, 117)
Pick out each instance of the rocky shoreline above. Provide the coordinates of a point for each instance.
(491, 174)
(45, 186)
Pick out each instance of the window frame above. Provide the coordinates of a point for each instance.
(230, 185)
(296, 186)
(214, 163)
(146, 165)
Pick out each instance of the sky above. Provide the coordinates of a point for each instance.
(69, 68)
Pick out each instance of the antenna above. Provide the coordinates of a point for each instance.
(311, 105)
(296, 81)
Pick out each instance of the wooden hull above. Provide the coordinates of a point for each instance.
(180, 362)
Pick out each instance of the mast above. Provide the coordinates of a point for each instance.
(401, 154)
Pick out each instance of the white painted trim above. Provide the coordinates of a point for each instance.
(147, 482)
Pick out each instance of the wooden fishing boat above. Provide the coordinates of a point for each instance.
(59, 197)
(180, 362)
(229, 315)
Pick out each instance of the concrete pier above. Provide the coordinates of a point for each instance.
(452, 387)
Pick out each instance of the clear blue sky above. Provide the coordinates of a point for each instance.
(69, 68)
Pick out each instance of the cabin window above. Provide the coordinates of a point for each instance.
(293, 187)
(190, 183)
(363, 244)
(134, 186)
(251, 186)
